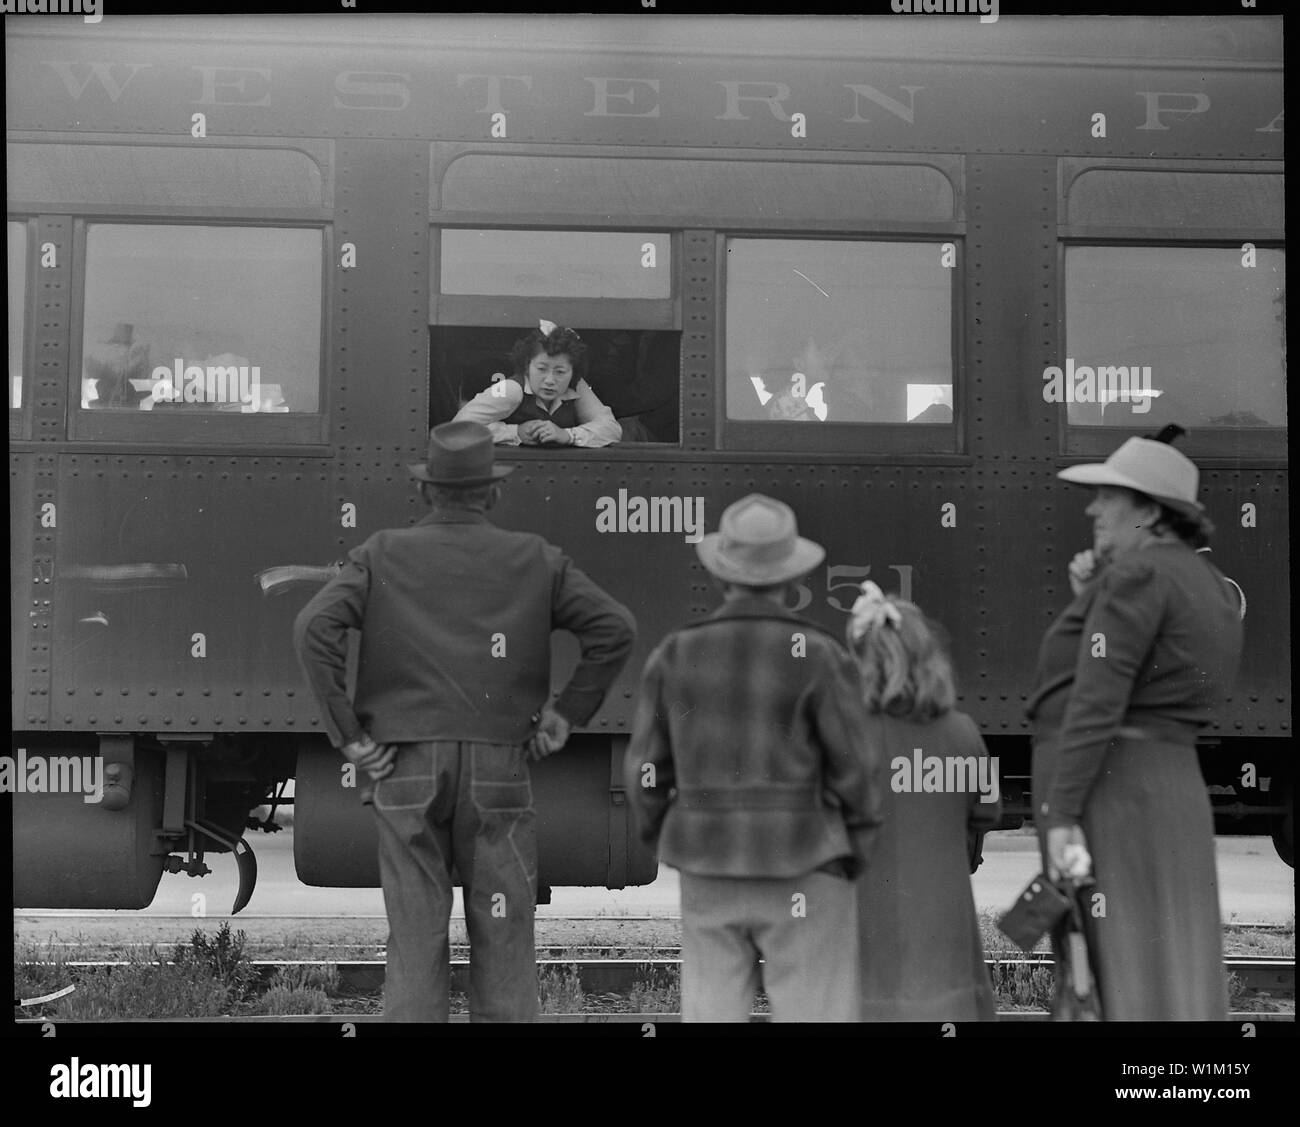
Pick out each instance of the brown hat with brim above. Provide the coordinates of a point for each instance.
(460, 454)
(758, 544)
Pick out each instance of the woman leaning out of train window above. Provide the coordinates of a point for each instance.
(549, 402)
(919, 940)
(1128, 673)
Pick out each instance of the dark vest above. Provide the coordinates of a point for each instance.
(566, 414)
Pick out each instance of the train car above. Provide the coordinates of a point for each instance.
(895, 271)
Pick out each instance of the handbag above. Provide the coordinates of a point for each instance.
(1037, 910)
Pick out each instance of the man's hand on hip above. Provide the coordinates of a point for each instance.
(377, 760)
(551, 735)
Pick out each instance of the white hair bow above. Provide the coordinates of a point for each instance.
(872, 609)
(547, 327)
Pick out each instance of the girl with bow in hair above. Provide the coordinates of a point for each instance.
(919, 940)
(548, 402)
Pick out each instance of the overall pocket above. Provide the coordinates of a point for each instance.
(499, 782)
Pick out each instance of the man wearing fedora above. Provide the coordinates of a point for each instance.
(455, 617)
(747, 768)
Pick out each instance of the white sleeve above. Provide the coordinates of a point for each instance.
(492, 405)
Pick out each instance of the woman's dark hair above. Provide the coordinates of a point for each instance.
(1194, 529)
(561, 341)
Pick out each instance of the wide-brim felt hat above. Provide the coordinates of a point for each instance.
(758, 544)
(1154, 468)
(460, 454)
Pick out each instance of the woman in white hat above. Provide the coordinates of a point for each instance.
(1127, 675)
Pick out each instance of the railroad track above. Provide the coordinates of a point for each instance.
(596, 975)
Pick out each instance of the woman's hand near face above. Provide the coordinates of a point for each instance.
(1082, 568)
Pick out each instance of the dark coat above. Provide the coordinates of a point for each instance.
(921, 956)
(456, 617)
(1114, 750)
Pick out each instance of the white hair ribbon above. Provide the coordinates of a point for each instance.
(548, 327)
(872, 610)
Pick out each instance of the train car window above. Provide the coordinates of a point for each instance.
(556, 263)
(635, 373)
(1174, 334)
(163, 176)
(17, 242)
(821, 334)
(682, 189)
(1130, 197)
(195, 319)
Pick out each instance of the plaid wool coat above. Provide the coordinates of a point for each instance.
(747, 756)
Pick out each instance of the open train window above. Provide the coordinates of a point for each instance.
(215, 328)
(632, 372)
(1193, 335)
(839, 346)
(16, 238)
(614, 288)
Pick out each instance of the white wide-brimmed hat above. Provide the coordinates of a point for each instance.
(758, 544)
(1154, 468)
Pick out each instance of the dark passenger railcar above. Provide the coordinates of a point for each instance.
(251, 262)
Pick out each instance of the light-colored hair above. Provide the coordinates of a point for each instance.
(905, 668)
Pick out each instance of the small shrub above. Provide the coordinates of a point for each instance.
(560, 990)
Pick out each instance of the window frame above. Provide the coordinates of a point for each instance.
(172, 427)
(320, 152)
(304, 433)
(940, 440)
(901, 448)
(20, 418)
(1231, 446)
(445, 153)
(1265, 446)
(596, 313)
(505, 310)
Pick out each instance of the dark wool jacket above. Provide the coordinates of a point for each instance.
(1151, 643)
(455, 617)
(747, 757)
